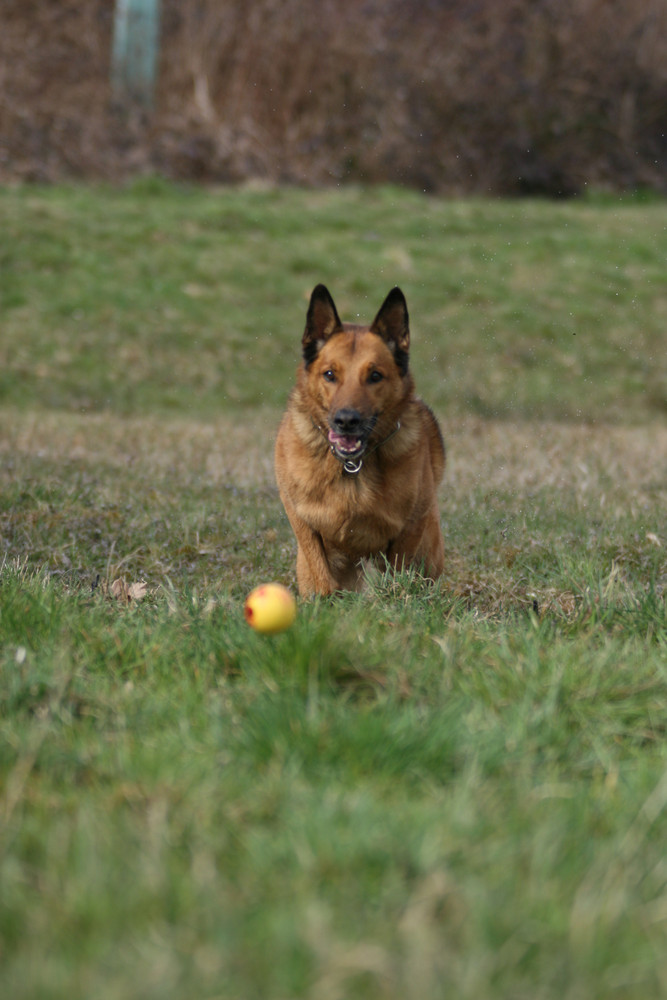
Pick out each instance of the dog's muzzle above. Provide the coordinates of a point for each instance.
(348, 436)
(349, 433)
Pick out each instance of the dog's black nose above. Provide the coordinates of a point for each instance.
(347, 421)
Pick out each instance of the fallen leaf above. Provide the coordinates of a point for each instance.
(123, 591)
(119, 589)
(137, 591)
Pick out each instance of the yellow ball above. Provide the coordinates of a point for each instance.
(270, 608)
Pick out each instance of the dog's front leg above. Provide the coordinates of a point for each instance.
(420, 543)
(313, 572)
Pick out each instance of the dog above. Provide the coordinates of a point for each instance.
(358, 457)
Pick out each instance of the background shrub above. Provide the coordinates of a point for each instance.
(531, 96)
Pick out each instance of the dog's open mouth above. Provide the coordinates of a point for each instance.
(346, 446)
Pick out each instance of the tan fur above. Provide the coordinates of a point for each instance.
(387, 509)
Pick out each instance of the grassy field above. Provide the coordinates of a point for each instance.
(413, 793)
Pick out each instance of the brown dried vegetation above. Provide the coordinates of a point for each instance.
(528, 96)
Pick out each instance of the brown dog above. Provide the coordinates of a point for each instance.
(358, 456)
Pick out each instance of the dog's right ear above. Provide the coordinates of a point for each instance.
(322, 322)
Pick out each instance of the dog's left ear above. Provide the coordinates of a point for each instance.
(393, 325)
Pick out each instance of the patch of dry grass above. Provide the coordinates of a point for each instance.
(598, 462)
(531, 512)
(221, 451)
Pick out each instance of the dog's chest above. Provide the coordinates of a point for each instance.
(356, 516)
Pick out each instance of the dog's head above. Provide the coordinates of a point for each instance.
(357, 375)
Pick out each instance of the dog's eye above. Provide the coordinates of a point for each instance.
(329, 376)
(375, 376)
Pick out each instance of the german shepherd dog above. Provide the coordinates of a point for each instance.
(358, 456)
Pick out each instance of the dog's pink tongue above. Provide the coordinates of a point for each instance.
(343, 442)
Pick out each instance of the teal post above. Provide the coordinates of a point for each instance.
(135, 50)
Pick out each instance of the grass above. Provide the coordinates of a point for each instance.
(187, 302)
(414, 792)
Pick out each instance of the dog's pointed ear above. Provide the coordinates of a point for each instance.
(393, 325)
(322, 321)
